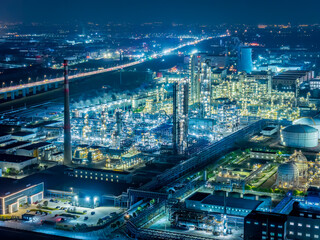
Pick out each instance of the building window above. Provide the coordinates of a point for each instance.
(307, 234)
(280, 226)
(279, 235)
(316, 227)
(248, 222)
(106, 179)
(264, 232)
(292, 223)
(308, 226)
(256, 223)
(299, 234)
(316, 236)
(272, 225)
(291, 233)
(299, 224)
(272, 234)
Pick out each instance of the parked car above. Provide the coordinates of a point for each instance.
(85, 218)
(92, 213)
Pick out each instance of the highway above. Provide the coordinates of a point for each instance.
(87, 74)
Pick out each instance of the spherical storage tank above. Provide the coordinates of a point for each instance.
(312, 122)
(288, 173)
(300, 136)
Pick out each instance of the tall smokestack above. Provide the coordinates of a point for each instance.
(175, 118)
(67, 127)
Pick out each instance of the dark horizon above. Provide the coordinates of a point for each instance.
(208, 12)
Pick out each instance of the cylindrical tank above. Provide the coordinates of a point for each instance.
(312, 122)
(250, 196)
(300, 136)
(245, 60)
(288, 173)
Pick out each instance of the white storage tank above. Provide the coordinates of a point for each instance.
(312, 122)
(299, 136)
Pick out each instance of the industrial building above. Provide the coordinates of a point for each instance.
(265, 225)
(35, 150)
(16, 193)
(23, 136)
(263, 155)
(219, 204)
(16, 162)
(302, 222)
(103, 175)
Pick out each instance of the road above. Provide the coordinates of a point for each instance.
(87, 74)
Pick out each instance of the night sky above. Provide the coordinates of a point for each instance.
(169, 11)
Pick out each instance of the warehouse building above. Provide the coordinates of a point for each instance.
(15, 161)
(12, 147)
(213, 203)
(23, 136)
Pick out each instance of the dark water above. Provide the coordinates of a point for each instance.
(132, 78)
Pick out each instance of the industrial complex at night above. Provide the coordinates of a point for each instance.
(159, 129)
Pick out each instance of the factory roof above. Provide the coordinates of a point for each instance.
(4, 134)
(268, 128)
(232, 202)
(36, 145)
(258, 151)
(57, 179)
(10, 185)
(22, 133)
(274, 217)
(207, 198)
(14, 158)
(42, 124)
(305, 211)
(15, 145)
(198, 196)
(102, 170)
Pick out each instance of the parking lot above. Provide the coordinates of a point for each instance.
(61, 211)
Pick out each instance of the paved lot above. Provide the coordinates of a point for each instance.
(56, 209)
